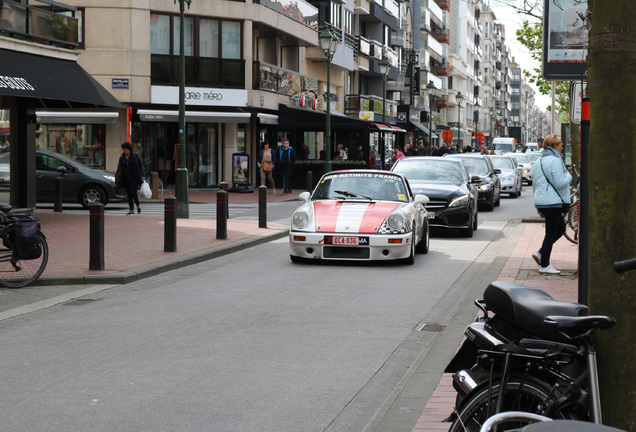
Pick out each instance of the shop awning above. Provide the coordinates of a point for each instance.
(423, 128)
(40, 77)
(194, 116)
(267, 118)
(78, 117)
(300, 118)
(381, 127)
(386, 128)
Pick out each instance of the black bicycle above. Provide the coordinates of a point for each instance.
(24, 251)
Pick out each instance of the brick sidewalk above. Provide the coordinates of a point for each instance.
(519, 268)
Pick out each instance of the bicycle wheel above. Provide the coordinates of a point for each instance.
(570, 233)
(159, 188)
(573, 217)
(24, 271)
(528, 396)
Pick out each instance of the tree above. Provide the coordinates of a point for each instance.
(612, 161)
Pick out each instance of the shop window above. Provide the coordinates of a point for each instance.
(83, 143)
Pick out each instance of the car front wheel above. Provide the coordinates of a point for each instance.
(92, 194)
(422, 246)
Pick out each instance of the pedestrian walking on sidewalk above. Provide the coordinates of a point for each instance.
(550, 185)
(266, 161)
(286, 160)
(130, 175)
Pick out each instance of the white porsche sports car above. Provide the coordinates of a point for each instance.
(360, 215)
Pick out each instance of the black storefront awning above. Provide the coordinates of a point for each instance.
(40, 77)
(300, 118)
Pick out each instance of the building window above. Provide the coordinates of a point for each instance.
(159, 34)
(206, 42)
(209, 38)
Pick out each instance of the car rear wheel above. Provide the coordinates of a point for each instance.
(92, 194)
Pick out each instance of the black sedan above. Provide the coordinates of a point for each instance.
(451, 191)
(80, 184)
(490, 186)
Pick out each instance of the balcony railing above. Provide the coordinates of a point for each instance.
(443, 70)
(442, 36)
(275, 79)
(442, 102)
(444, 4)
(54, 24)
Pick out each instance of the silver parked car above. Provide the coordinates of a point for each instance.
(511, 176)
(526, 165)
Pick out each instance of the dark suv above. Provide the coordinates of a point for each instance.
(490, 186)
(451, 190)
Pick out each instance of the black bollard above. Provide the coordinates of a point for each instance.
(309, 184)
(221, 215)
(224, 187)
(262, 206)
(57, 204)
(96, 237)
(170, 225)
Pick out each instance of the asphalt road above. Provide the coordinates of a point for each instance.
(252, 342)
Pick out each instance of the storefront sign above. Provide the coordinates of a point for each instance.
(367, 115)
(198, 96)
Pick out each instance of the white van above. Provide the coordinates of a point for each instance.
(503, 145)
(533, 146)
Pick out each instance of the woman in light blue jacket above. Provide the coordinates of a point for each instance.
(550, 185)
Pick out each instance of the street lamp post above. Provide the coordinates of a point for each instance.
(459, 98)
(181, 179)
(491, 111)
(329, 44)
(384, 71)
(430, 89)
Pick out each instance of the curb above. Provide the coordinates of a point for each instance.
(166, 265)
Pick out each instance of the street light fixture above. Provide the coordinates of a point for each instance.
(383, 65)
(430, 89)
(181, 175)
(329, 44)
(459, 98)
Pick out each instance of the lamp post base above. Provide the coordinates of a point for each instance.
(181, 189)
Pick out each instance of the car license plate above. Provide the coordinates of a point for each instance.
(346, 240)
(431, 215)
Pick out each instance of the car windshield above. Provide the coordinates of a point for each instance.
(476, 166)
(430, 170)
(365, 186)
(502, 163)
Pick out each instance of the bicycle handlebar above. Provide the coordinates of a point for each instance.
(623, 266)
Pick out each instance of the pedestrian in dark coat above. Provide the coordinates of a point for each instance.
(130, 175)
(286, 160)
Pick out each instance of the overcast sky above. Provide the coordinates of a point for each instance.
(508, 17)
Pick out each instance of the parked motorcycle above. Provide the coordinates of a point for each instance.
(528, 352)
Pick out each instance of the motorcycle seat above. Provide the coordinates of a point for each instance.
(526, 307)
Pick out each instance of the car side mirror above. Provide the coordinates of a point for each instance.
(304, 196)
(62, 170)
(421, 199)
(475, 179)
(497, 171)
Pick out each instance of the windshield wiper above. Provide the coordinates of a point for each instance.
(352, 195)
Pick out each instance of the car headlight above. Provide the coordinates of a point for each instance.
(396, 220)
(460, 201)
(301, 217)
(526, 171)
(110, 178)
(484, 187)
